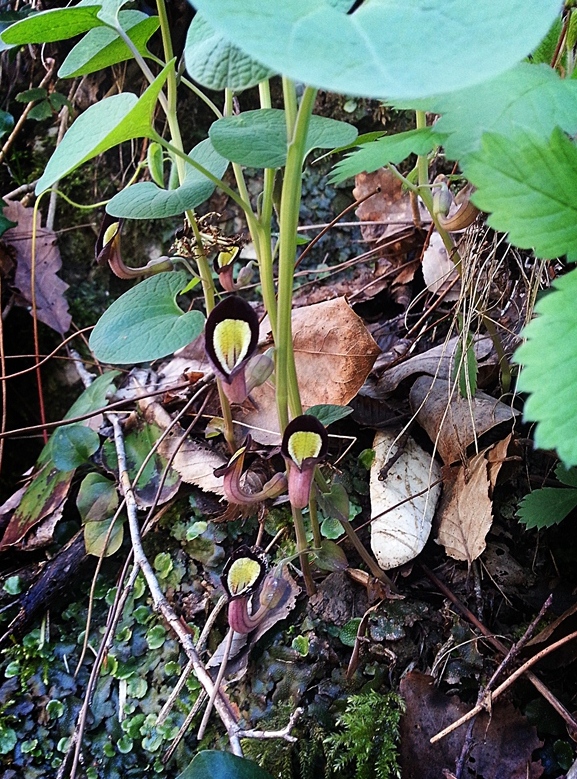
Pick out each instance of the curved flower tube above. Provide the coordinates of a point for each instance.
(107, 251)
(304, 444)
(236, 493)
(241, 576)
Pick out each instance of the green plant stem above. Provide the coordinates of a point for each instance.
(290, 106)
(369, 561)
(317, 538)
(286, 378)
(302, 550)
(504, 364)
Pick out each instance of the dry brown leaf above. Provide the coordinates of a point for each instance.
(453, 423)
(334, 354)
(51, 305)
(437, 361)
(193, 461)
(503, 740)
(391, 207)
(466, 510)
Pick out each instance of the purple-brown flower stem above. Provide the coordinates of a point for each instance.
(227, 417)
(302, 550)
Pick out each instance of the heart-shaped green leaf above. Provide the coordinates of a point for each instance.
(384, 47)
(94, 397)
(145, 323)
(105, 124)
(258, 138)
(218, 64)
(146, 200)
(55, 25)
(102, 46)
(529, 186)
(549, 372)
(391, 148)
(530, 97)
(97, 502)
(72, 445)
(327, 413)
(210, 764)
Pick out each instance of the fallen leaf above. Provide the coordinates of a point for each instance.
(334, 354)
(466, 510)
(390, 208)
(439, 271)
(503, 741)
(51, 305)
(192, 460)
(452, 422)
(437, 361)
(401, 523)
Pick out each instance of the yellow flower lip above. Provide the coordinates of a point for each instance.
(231, 336)
(304, 444)
(305, 439)
(243, 572)
(231, 341)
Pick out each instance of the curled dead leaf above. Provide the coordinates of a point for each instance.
(439, 271)
(334, 354)
(452, 422)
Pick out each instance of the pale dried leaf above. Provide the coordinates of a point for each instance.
(401, 533)
(452, 422)
(437, 361)
(51, 305)
(439, 271)
(466, 510)
(334, 354)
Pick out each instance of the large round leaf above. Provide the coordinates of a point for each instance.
(385, 48)
(210, 764)
(218, 64)
(258, 138)
(145, 323)
(146, 200)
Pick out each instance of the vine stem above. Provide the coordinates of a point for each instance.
(286, 380)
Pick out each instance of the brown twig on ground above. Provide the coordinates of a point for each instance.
(570, 722)
(503, 665)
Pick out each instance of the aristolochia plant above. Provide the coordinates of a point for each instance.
(507, 120)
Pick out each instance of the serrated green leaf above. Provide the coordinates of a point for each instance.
(546, 507)
(145, 323)
(549, 372)
(102, 46)
(55, 25)
(391, 148)
(258, 139)
(566, 476)
(528, 97)
(29, 95)
(105, 124)
(217, 64)
(327, 413)
(211, 764)
(72, 446)
(384, 48)
(146, 200)
(41, 111)
(529, 187)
